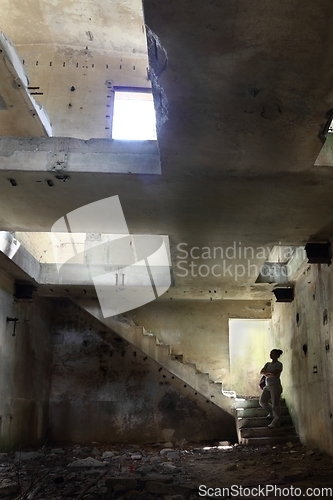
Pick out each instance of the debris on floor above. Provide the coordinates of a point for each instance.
(158, 472)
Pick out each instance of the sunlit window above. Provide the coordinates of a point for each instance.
(134, 116)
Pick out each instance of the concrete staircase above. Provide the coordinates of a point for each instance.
(252, 422)
(162, 354)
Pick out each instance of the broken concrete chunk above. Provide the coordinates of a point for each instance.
(168, 445)
(86, 463)
(136, 456)
(164, 451)
(57, 451)
(108, 454)
(22, 456)
(173, 455)
(92, 472)
(144, 470)
(170, 469)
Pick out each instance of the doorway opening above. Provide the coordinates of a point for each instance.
(249, 346)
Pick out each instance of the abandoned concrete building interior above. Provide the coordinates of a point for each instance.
(147, 268)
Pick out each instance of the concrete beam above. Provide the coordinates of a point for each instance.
(66, 155)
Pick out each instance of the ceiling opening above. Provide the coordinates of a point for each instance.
(134, 116)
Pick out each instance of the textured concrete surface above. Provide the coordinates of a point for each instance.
(199, 330)
(25, 369)
(74, 54)
(303, 330)
(249, 87)
(108, 391)
(246, 109)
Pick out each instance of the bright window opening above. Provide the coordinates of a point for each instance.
(134, 116)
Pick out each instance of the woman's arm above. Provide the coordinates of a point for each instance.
(263, 371)
(273, 373)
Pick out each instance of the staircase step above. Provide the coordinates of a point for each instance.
(217, 385)
(151, 346)
(269, 440)
(252, 403)
(257, 412)
(251, 422)
(252, 432)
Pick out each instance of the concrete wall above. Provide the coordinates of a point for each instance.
(112, 392)
(25, 368)
(198, 329)
(303, 330)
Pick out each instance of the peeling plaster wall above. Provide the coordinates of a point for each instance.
(199, 330)
(303, 330)
(112, 392)
(25, 369)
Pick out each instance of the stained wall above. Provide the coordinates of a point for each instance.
(112, 392)
(303, 330)
(25, 368)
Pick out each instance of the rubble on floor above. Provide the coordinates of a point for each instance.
(161, 472)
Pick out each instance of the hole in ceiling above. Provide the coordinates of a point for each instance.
(134, 116)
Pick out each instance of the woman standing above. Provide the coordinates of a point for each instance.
(273, 388)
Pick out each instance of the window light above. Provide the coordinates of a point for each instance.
(134, 116)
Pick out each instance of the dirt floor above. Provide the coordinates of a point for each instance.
(165, 472)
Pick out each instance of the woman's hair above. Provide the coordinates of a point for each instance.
(278, 352)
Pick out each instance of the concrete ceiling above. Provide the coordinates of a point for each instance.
(74, 52)
(249, 86)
